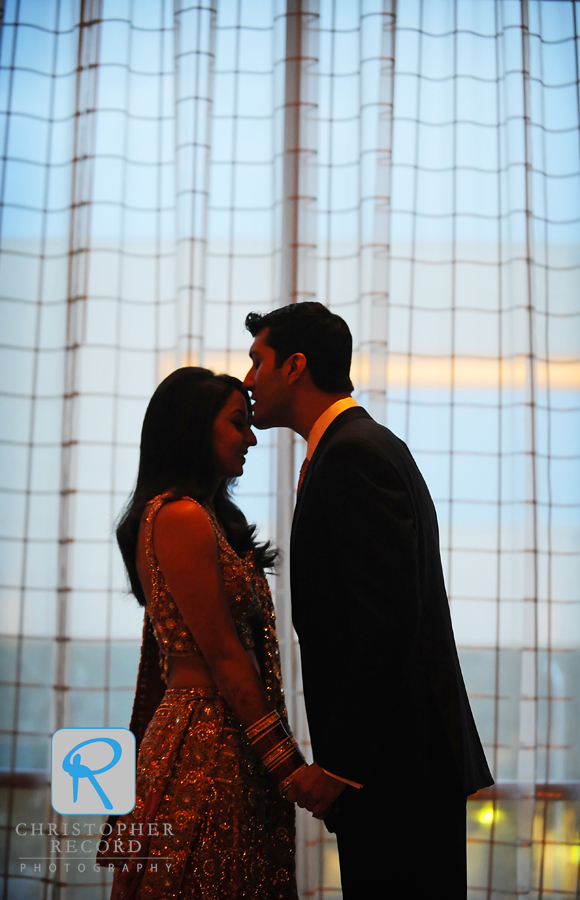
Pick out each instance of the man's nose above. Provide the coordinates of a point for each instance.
(248, 381)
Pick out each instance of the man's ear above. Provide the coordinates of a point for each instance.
(295, 365)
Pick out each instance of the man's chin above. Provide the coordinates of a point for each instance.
(261, 425)
(261, 422)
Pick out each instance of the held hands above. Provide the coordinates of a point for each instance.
(314, 790)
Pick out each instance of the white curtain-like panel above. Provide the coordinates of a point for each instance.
(415, 165)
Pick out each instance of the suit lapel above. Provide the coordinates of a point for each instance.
(354, 412)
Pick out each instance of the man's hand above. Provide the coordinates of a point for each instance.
(314, 790)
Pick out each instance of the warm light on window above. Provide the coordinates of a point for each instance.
(488, 815)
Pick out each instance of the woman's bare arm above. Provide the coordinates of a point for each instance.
(186, 549)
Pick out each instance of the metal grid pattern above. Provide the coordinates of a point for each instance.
(113, 254)
(447, 203)
(484, 386)
(414, 165)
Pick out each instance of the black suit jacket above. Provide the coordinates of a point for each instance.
(383, 687)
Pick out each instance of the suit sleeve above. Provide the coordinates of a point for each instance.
(360, 577)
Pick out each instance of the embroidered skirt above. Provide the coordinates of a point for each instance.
(209, 823)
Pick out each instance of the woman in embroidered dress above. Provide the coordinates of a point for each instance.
(215, 756)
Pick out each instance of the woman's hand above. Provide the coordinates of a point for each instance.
(314, 790)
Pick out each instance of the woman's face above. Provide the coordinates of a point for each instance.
(232, 436)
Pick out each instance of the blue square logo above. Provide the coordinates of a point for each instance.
(93, 771)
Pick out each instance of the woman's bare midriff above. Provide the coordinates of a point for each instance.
(193, 671)
(184, 671)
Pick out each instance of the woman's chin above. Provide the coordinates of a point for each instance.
(233, 469)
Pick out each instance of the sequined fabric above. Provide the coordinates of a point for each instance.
(231, 833)
(172, 634)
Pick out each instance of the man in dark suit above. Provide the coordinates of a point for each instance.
(395, 746)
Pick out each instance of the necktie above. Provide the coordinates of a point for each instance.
(303, 468)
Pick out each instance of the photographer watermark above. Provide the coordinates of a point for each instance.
(93, 771)
(74, 846)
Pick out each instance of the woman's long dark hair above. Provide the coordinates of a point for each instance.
(177, 456)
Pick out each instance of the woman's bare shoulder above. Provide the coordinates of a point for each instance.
(182, 524)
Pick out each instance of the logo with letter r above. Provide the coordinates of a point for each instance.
(93, 771)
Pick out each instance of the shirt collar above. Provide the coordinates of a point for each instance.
(323, 421)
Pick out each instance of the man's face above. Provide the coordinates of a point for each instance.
(267, 384)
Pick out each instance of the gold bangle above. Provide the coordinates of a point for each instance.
(284, 785)
(266, 733)
(276, 748)
(281, 751)
(293, 757)
(271, 718)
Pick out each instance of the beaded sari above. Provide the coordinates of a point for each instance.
(209, 822)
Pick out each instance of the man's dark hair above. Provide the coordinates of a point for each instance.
(312, 329)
